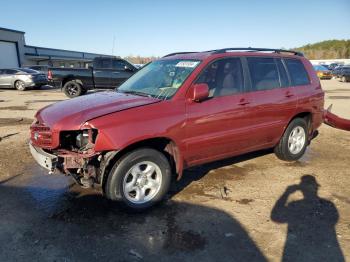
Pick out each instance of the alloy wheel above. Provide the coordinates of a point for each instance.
(72, 89)
(19, 85)
(296, 140)
(142, 182)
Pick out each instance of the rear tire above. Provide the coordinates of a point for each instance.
(140, 179)
(344, 79)
(19, 85)
(72, 89)
(294, 141)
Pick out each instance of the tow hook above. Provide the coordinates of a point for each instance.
(87, 181)
(335, 121)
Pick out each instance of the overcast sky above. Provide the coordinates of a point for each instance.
(158, 27)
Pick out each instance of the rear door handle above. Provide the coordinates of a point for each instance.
(289, 94)
(243, 102)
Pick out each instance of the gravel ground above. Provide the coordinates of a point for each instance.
(232, 210)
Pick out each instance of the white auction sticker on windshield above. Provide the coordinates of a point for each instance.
(187, 64)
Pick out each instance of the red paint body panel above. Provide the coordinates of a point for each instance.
(336, 121)
(72, 114)
(202, 131)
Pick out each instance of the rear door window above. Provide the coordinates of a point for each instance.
(103, 63)
(297, 72)
(263, 73)
(224, 77)
(118, 65)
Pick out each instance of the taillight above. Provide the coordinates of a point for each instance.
(49, 75)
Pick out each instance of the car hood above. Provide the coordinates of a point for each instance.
(73, 113)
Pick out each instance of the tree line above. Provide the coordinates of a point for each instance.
(329, 49)
(140, 59)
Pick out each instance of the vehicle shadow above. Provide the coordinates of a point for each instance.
(48, 87)
(31, 89)
(90, 228)
(311, 224)
(196, 173)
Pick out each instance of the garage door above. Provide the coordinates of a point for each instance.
(8, 55)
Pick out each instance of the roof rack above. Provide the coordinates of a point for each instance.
(179, 53)
(250, 49)
(253, 49)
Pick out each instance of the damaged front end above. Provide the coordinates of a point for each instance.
(335, 121)
(77, 156)
(73, 154)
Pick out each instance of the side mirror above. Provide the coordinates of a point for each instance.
(126, 68)
(200, 92)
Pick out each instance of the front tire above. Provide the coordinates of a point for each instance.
(140, 179)
(72, 89)
(20, 86)
(294, 141)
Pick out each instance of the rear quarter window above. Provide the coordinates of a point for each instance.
(297, 72)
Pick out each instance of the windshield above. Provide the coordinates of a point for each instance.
(320, 68)
(160, 79)
(30, 71)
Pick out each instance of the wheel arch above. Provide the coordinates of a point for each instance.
(71, 78)
(307, 115)
(163, 144)
(14, 83)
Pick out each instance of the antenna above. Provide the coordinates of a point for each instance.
(113, 45)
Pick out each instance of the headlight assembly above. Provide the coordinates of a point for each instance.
(82, 139)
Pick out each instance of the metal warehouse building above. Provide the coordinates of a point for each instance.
(15, 53)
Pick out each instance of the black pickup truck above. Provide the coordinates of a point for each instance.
(106, 73)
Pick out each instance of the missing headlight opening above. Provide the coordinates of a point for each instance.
(78, 141)
(77, 156)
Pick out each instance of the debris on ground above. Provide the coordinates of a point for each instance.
(135, 254)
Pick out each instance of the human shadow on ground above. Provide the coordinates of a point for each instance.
(311, 224)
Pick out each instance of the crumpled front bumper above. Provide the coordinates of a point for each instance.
(43, 158)
(335, 121)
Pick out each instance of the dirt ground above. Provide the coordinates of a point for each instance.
(232, 210)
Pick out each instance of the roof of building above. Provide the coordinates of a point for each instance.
(11, 30)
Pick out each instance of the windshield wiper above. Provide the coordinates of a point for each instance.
(132, 92)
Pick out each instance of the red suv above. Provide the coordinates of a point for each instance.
(183, 110)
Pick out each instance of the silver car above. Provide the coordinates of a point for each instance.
(21, 78)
